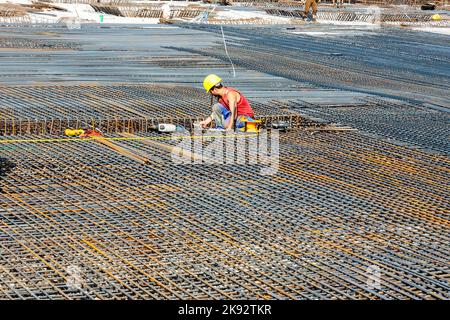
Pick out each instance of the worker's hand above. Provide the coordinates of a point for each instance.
(203, 123)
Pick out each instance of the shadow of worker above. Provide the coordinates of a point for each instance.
(5, 167)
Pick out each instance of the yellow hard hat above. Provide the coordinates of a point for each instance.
(210, 81)
(436, 17)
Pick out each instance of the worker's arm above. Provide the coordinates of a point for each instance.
(233, 98)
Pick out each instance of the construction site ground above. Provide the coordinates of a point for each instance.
(360, 212)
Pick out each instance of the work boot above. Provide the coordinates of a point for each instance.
(299, 14)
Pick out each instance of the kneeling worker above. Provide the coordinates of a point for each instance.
(231, 109)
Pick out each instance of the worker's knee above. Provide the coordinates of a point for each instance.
(219, 111)
(218, 108)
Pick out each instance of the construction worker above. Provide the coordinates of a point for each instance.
(308, 5)
(232, 107)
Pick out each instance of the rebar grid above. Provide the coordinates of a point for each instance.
(339, 204)
(339, 62)
(110, 108)
(413, 125)
(355, 16)
(116, 218)
(149, 11)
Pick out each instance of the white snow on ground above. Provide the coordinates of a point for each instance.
(341, 33)
(84, 13)
(17, 1)
(441, 30)
(347, 23)
(237, 14)
(81, 12)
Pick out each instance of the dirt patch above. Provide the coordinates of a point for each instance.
(11, 10)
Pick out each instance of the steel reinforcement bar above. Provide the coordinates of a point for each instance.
(82, 220)
(115, 108)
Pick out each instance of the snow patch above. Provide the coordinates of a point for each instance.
(17, 1)
(440, 30)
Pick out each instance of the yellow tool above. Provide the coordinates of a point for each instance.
(73, 132)
(88, 133)
(250, 125)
